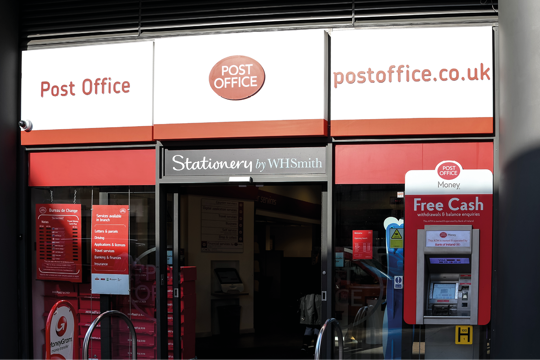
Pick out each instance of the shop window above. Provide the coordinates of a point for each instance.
(64, 249)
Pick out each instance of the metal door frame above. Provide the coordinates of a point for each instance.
(161, 192)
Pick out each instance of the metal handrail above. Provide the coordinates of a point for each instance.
(96, 322)
(321, 333)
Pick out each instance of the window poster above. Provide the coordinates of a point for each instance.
(58, 237)
(222, 224)
(110, 249)
(362, 244)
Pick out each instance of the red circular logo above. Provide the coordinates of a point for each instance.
(43, 210)
(448, 170)
(237, 77)
(443, 234)
(61, 327)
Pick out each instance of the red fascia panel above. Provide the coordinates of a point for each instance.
(388, 163)
(241, 129)
(93, 168)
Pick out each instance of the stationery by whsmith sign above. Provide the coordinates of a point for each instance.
(281, 161)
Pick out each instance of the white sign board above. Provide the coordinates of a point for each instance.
(414, 80)
(100, 93)
(291, 100)
(446, 238)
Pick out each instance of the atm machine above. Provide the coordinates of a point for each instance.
(447, 287)
(447, 277)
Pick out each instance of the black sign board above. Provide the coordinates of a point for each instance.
(275, 161)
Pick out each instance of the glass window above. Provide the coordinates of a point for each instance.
(63, 247)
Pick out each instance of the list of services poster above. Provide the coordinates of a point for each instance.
(58, 234)
(222, 226)
(110, 249)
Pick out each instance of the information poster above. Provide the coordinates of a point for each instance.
(362, 244)
(110, 249)
(222, 224)
(58, 236)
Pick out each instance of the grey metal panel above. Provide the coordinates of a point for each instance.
(517, 251)
(16, 267)
(447, 320)
(420, 276)
(177, 335)
(496, 188)
(256, 179)
(475, 273)
(440, 343)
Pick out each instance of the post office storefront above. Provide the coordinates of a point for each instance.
(249, 171)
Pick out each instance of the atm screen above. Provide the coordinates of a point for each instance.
(451, 261)
(443, 291)
(228, 276)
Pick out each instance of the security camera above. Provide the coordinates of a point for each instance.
(26, 125)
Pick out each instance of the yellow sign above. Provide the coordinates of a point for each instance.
(396, 235)
(464, 334)
(396, 240)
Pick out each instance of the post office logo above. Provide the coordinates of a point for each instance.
(237, 77)
(448, 170)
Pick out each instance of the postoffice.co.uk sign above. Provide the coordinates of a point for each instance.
(237, 77)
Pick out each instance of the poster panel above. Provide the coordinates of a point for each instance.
(61, 332)
(110, 249)
(222, 223)
(58, 237)
(362, 244)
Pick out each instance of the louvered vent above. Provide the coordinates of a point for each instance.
(41, 19)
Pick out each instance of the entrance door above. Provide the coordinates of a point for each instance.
(257, 252)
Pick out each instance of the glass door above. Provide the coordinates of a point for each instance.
(245, 262)
(368, 254)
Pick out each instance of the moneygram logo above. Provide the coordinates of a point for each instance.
(61, 327)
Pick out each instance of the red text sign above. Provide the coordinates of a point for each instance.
(237, 77)
(362, 244)
(58, 235)
(110, 249)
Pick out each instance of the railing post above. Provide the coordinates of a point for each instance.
(96, 322)
(320, 337)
